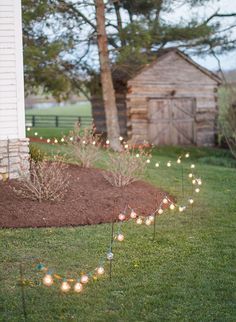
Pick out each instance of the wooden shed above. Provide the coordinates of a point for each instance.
(172, 101)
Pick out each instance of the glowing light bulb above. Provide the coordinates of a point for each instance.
(199, 181)
(120, 237)
(121, 138)
(55, 141)
(157, 165)
(84, 142)
(65, 286)
(197, 190)
(48, 280)
(148, 222)
(187, 155)
(48, 140)
(165, 200)
(194, 181)
(94, 142)
(121, 217)
(62, 140)
(107, 142)
(28, 129)
(137, 155)
(190, 175)
(192, 166)
(172, 206)
(78, 287)
(151, 218)
(41, 138)
(179, 161)
(110, 256)
(126, 146)
(160, 211)
(133, 214)
(100, 270)
(148, 161)
(35, 133)
(71, 138)
(168, 164)
(191, 201)
(181, 208)
(84, 279)
(139, 221)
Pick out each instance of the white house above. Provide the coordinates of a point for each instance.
(13, 143)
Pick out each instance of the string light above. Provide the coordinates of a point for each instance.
(148, 161)
(84, 279)
(187, 155)
(121, 138)
(84, 142)
(48, 140)
(36, 133)
(172, 206)
(107, 142)
(71, 138)
(55, 141)
(126, 146)
(62, 140)
(148, 222)
(28, 129)
(199, 181)
(151, 218)
(178, 161)
(110, 256)
(157, 165)
(139, 221)
(165, 200)
(100, 270)
(137, 155)
(197, 190)
(160, 211)
(121, 216)
(120, 237)
(168, 164)
(78, 287)
(94, 142)
(41, 138)
(190, 175)
(191, 201)
(48, 280)
(65, 286)
(133, 214)
(192, 166)
(182, 208)
(194, 181)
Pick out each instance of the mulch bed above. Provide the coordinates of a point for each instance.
(90, 200)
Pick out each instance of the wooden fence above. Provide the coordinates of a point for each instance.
(57, 121)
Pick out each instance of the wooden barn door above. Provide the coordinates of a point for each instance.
(171, 121)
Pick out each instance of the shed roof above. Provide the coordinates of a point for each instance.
(123, 75)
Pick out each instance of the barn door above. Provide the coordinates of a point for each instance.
(171, 121)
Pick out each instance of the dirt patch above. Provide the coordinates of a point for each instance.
(90, 200)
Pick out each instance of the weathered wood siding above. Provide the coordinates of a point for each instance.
(172, 77)
(12, 124)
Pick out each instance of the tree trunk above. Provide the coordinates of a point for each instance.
(113, 129)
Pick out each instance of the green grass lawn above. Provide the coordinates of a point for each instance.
(186, 274)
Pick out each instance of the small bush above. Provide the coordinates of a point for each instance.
(126, 167)
(36, 154)
(45, 181)
(85, 146)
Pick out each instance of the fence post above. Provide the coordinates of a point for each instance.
(33, 120)
(56, 121)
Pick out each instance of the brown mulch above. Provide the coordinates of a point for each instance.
(90, 200)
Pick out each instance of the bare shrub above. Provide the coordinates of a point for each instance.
(126, 167)
(85, 146)
(45, 181)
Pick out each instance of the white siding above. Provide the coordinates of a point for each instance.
(12, 123)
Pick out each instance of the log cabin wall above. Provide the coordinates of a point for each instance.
(168, 95)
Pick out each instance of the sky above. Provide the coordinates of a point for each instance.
(227, 61)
